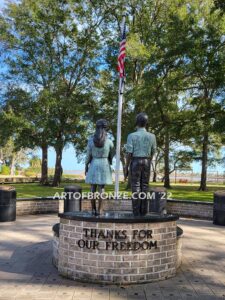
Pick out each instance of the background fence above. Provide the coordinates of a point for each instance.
(175, 177)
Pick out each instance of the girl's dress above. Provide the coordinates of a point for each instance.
(99, 171)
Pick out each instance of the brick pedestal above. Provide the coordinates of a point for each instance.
(112, 252)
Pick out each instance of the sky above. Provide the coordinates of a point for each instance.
(2, 3)
(69, 160)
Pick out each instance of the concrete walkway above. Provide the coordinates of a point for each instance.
(26, 271)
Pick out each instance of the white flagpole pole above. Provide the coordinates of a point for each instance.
(119, 119)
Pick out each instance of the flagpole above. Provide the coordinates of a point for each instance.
(119, 121)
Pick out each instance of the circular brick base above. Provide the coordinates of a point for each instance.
(86, 251)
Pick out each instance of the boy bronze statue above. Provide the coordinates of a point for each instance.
(140, 148)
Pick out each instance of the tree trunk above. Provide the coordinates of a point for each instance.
(1, 155)
(154, 179)
(12, 166)
(203, 186)
(44, 165)
(128, 187)
(153, 171)
(58, 166)
(166, 161)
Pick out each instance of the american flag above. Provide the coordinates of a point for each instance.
(122, 53)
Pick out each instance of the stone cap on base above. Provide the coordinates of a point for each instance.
(219, 193)
(7, 188)
(115, 217)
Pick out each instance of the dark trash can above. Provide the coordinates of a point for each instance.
(7, 204)
(158, 201)
(72, 200)
(219, 208)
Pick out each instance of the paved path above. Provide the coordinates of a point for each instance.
(26, 271)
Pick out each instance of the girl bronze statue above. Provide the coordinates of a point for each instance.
(100, 152)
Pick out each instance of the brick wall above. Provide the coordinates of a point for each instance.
(195, 209)
(36, 206)
(13, 180)
(116, 266)
(183, 208)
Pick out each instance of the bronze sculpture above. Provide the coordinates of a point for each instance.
(140, 148)
(100, 152)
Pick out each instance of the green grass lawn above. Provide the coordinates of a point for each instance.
(190, 192)
(178, 191)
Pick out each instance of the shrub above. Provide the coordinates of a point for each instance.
(5, 170)
(31, 172)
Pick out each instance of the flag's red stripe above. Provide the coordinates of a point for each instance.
(122, 55)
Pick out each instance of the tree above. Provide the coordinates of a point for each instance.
(159, 71)
(13, 157)
(56, 59)
(156, 164)
(205, 70)
(22, 118)
(185, 46)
